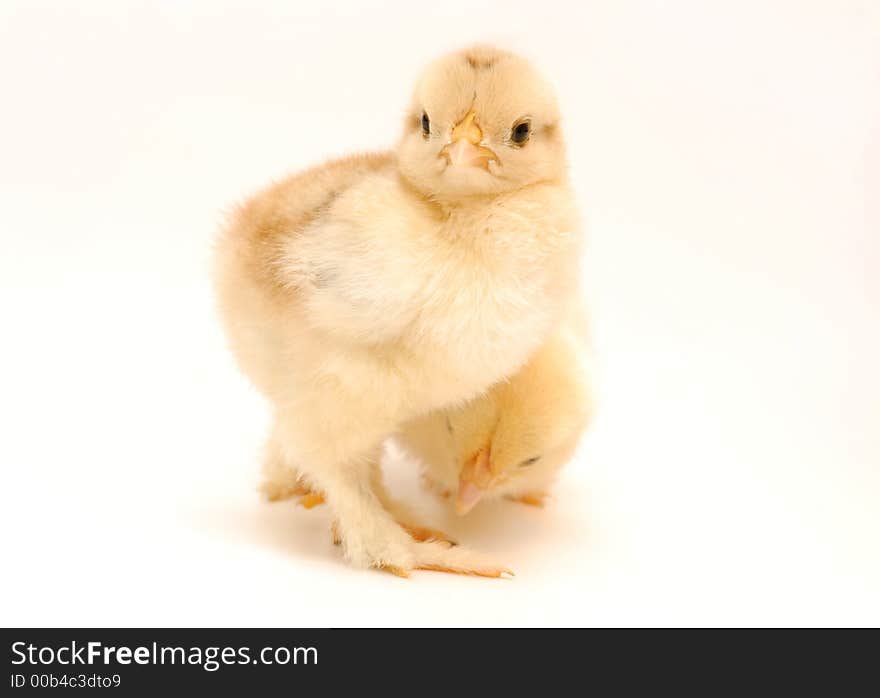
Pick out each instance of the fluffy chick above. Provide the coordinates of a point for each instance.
(512, 440)
(369, 290)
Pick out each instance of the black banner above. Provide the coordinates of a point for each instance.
(545, 662)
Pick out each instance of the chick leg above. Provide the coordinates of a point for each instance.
(458, 560)
(337, 451)
(281, 480)
(403, 515)
(371, 537)
(369, 534)
(437, 555)
(434, 549)
(284, 482)
(400, 513)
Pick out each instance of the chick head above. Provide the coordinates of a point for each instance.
(482, 122)
(514, 440)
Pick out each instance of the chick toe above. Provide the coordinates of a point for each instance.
(276, 491)
(396, 571)
(532, 499)
(458, 560)
(311, 500)
(423, 534)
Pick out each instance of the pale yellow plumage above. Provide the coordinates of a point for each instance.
(512, 440)
(371, 290)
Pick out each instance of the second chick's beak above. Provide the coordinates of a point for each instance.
(464, 148)
(474, 480)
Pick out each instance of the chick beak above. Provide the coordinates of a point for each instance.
(473, 481)
(464, 148)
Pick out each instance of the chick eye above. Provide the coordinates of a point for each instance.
(520, 133)
(426, 124)
(530, 461)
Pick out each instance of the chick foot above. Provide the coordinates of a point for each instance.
(532, 499)
(433, 557)
(276, 490)
(311, 500)
(423, 534)
(419, 534)
(436, 558)
(388, 547)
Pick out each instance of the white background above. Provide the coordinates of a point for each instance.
(727, 158)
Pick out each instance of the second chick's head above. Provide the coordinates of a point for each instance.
(482, 122)
(513, 441)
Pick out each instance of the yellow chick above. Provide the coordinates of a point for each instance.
(512, 440)
(369, 290)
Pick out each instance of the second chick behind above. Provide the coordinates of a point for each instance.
(512, 440)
